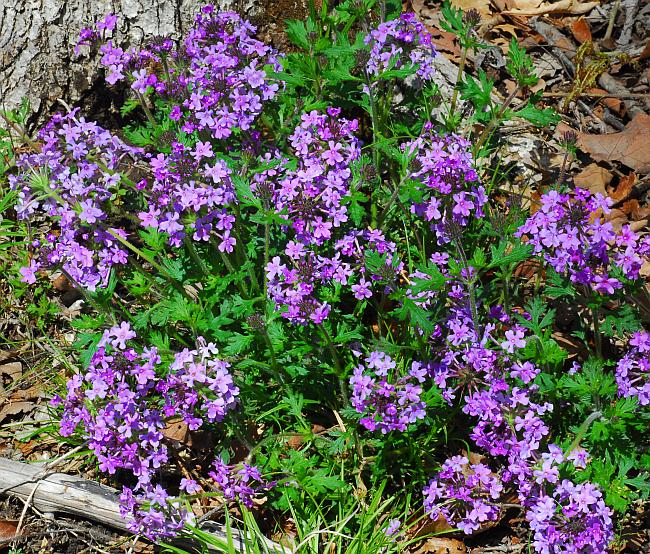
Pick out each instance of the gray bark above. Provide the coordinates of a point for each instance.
(37, 38)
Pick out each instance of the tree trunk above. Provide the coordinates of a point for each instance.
(37, 38)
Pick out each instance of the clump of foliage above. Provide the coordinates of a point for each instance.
(296, 254)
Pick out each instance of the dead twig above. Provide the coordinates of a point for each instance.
(612, 20)
(599, 95)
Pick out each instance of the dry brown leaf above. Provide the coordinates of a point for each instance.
(534, 7)
(440, 545)
(13, 370)
(594, 178)
(62, 284)
(630, 207)
(15, 408)
(630, 147)
(427, 526)
(8, 529)
(644, 270)
(646, 52)
(177, 430)
(614, 104)
(580, 30)
(624, 188)
(481, 6)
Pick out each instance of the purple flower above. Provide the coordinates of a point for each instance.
(401, 43)
(388, 403)
(514, 339)
(633, 369)
(120, 406)
(573, 519)
(465, 494)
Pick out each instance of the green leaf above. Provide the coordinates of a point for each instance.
(477, 92)
(297, 33)
(538, 117)
(517, 253)
(237, 343)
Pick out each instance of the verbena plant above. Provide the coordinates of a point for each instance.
(315, 258)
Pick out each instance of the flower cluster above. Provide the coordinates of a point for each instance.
(294, 285)
(75, 179)
(310, 195)
(498, 391)
(464, 493)
(401, 43)
(180, 203)
(574, 519)
(633, 369)
(151, 512)
(241, 483)
(388, 406)
(216, 79)
(568, 229)
(449, 190)
(122, 403)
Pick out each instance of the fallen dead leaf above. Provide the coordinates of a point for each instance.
(8, 529)
(644, 270)
(439, 545)
(176, 430)
(580, 30)
(61, 283)
(630, 207)
(624, 187)
(614, 104)
(594, 178)
(646, 52)
(426, 526)
(631, 147)
(15, 408)
(13, 370)
(535, 7)
(481, 6)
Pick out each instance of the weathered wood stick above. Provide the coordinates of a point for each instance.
(51, 492)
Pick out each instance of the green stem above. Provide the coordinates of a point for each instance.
(146, 109)
(469, 282)
(152, 262)
(267, 243)
(231, 269)
(494, 122)
(595, 314)
(459, 77)
(189, 244)
(583, 429)
(274, 362)
(240, 247)
(337, 364)
(375, 151)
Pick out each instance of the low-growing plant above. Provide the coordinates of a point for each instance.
(295, 257)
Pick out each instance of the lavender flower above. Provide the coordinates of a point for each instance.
(448, 184)
(464, 494)
(399, 44)
(120, 406)
(240, 483)
(574, 519)
(74, 180)
(389, 403)
(570, 233)
(633, 369)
